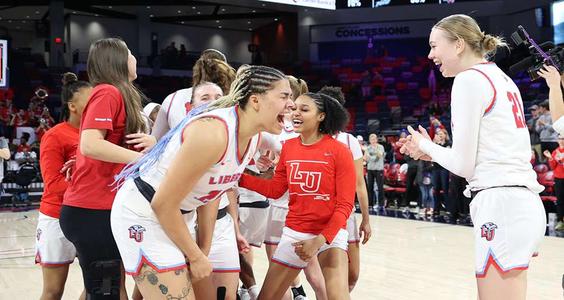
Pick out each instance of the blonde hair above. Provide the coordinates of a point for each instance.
(298, 86)
(466, 28)
(213, 70)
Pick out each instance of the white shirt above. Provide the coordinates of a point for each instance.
(491, 145)
(558, 126)
(173, 110)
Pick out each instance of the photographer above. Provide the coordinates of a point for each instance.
(555, 82)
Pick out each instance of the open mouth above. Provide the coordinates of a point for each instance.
(280, 119)
(297, 122)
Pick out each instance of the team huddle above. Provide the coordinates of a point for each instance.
(249, 157)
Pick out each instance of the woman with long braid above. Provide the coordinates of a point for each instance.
(191, 166)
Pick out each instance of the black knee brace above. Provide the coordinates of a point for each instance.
(103, 280)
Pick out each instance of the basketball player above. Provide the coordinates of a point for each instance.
(491, 149)
(364, 230)
(52, 250)
(210, 67)
(191, 166)
(309, 168)
(109, 138)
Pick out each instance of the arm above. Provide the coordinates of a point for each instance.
(93, 145)
(362, 195)
(269, 142)
(271, 188)
(51, 161)
(344, 196)
(190, 163)
(233, 211)
(160, 128)
(555, 82)
(466, 115)
(207, 215)
(552, 161)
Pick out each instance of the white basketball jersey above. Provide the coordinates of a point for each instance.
(504, 147)
(287, 133)
(219, 178)
(176, 105)
(351, 142)
(247, 196)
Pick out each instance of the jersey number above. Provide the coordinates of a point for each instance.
(517, 109)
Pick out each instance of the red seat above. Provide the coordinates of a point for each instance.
(549, 198)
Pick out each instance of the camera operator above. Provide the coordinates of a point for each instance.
(555, 82)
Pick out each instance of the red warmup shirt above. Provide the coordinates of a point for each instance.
(557, 163)
(91, 186)
(58, 146)
(321, 180)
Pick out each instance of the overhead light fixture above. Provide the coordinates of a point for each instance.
(151, 16)
(198, 13)
(248, 22)
(217, 21)
(193, 7)
(223, 9)
(219, 26)
(263, 5)
(110, 7)
(148, 7)
(9, 21)
(250, 29)
(275, 19)
(27, 17)
(96, 15)
(182, 22)
(254, 11)
(23, 21)
(179, 11)
(36, 12)
(74, 12)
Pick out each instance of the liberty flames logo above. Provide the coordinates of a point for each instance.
(488, 231)
(136, 233)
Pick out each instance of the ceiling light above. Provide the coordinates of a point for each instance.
(182, 22)
(219, 26)
(74, 12)
(217, 21)
(96, 15)
(198, 13)
(27, 17)
(250, 29)
(151, 16)
(248, 22)
(193, 7)
(23, 21)
(110, 7)
(223, 9)
(148, 7)
(254, 11)
(275, 19)
(36, 12)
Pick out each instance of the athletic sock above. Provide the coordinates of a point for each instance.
(298, 291)
(254, 292)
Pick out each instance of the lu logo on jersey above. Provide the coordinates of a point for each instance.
(308, 181)
(136, 233)
(488, 231)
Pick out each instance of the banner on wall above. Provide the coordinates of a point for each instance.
(324, 4)
(375, 31)
(3, 63)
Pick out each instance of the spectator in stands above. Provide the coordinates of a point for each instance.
(374, 157)
(439, 174)
(4, 155)
(411, 190)
(23, 152)
(366, 84)
(548, 137)
(423, 179)
(556, 162)
(534, 135)
(20, 119)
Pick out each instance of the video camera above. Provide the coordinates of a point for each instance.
(538, 55)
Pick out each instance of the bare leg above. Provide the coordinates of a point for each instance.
(228, 280)
(335, 270)
(270, 249)
(277, 282)
(354, 264)
(315, 278)
(166, 285)
(497, 285)
(54, 279)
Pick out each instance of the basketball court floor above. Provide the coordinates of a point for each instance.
(405, 259)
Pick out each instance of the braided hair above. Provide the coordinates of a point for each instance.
(252, 80)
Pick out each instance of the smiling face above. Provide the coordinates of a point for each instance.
(272, 105)
(445, 52)
(306, 116)
(206, 93)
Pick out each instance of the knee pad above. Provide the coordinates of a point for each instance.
(103, 279)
